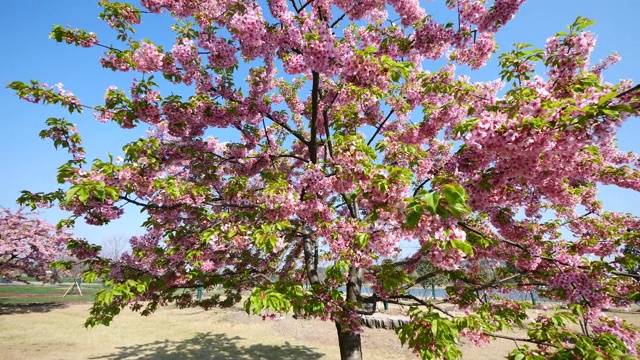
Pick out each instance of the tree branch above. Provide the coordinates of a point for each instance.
(545, 258)
(293, 2)
(518, 339)
(422, 184)
(289, 156)
(406, 262)
(309, 259)
(576, 219)
(305, 5)
(354, 284)
(313, 142)
(327, 130)
(338, 20)
(619, 273)
(109, 48)
(147, 205)
(380, 127)
(240, 206)
(288, 128)
(635, 88)
(421, 279)
(424, 303)
(495, 282)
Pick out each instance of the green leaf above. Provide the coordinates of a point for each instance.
(455, 196)
(463, 246)
(57, 33)
(577, 309)
(395, 76)
(431, 201)
(471, 111)
(414, 216)
(83, 194)
(71, 193)
(369, 50)
(362, 240)
(582, 23)
(605, 98)
(99, 193)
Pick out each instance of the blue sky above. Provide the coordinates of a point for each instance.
(27, 162)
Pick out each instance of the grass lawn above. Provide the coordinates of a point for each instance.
(37, 323)
(12, 294)
(55, 331)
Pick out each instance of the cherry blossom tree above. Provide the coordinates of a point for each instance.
(349, 143)
(28, 245)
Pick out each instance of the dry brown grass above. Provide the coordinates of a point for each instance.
(58, 333)
(175, 334)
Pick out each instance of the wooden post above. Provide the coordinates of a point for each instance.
(76, 283)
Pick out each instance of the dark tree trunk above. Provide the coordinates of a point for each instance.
(350, 343)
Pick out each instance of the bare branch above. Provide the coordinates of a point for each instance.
(421, 279)
(633, 89)
(288, 128)
(380, 127)
(619, 273)
(327, 130)
(576, 219)
(519, 339)
(289, 156)
(422, 184)
(148, 205)
(338, 20)
(406, 262)
(305, 5)
(496, 282)
(264, 277)
(293, 2)
(313, 143)
(109, 47)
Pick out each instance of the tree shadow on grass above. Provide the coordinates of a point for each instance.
(212, 346)
(27, 308)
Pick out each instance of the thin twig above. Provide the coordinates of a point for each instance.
(338, 20)
(149, 205)
(576, 219)
(305, 5)
(518, 339)
(380, 127)
(288, 128)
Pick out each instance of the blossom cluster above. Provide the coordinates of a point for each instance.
(619, 329)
